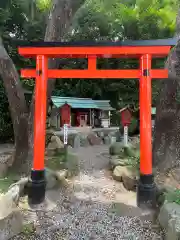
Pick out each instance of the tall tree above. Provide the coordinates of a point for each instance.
(124, 20)
(59, 21)
(166, 147)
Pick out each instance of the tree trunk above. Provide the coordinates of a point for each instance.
(166, 146)
(59, 21)
(167, 124)
(17, 105)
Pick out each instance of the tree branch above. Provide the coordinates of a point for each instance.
(13, 87)
(59, 22)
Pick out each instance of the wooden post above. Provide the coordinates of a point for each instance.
(146, 187)
(90, 117)
(126, 135)
(109, 114)
(36, 193)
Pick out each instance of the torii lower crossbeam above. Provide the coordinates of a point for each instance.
(146, 186)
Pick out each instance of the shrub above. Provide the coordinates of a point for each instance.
(173, 196)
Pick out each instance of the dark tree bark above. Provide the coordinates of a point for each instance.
(17, 105)
(59, 21)
(166, 147)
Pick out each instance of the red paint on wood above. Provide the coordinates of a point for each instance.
(145, 117)
(145, 53)
(126, 117)
(65, 112)
(40, 112)
(116, 74)
(94, 51)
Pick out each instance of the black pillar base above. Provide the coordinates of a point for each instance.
(146, 192)
(37, 187)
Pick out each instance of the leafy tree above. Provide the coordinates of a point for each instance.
(117, 20)
(166, 152)
(75, 20)
(60, 18)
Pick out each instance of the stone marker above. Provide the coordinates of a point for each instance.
(55, 145)
(167, 212)
(173, 231)
(83, 140)
(77, 142)
(107, 140)
(94, 139)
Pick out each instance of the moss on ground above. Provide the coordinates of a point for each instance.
(7, 181)
(172, 196)
(28, 229)
(56, 162)
(61, 160)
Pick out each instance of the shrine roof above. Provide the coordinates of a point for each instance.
(153, 42)
(86, 103)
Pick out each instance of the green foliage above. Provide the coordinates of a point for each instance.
(43, 5)
(6, 128)
(63, 160)
(56, 163)
(6, 182)
(96, 20)
(118, 20)
(129, 155)
(19, 19)
(132, 157)
(173, 196)
(28, 229)
(133, 127)
(116, 148)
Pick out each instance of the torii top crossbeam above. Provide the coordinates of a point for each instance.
(143, 50)
(94, 50)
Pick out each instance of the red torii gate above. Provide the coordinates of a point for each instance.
(43, 51)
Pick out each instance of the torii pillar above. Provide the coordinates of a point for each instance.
(146, 190)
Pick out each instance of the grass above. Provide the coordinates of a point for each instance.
(28, 229)
(56, 162)
(61, 161)
(7, 181)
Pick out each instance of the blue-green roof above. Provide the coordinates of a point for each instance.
(81, 103)
(103, 104)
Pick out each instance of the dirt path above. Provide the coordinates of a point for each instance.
(96, 207)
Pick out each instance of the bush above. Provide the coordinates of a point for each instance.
(116, 148)
(115, 118)
(133, 127)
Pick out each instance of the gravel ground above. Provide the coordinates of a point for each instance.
(87, 211)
